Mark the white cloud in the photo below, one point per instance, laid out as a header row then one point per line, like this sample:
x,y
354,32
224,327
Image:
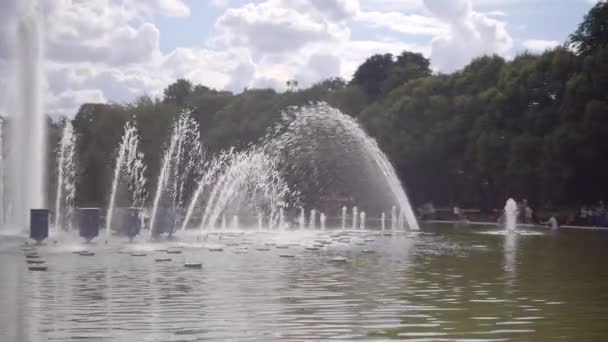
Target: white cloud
x,y
538,45
174,8
402,23
392,5
471,34
272,28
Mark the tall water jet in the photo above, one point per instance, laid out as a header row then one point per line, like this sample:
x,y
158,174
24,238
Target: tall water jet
x,y
180,169
129,169
302,218
383,221
281,218
355,216
344,213
511,215
327,157
235,222
322,218
66,178
25,106
2,165
362,219
313,219
260,221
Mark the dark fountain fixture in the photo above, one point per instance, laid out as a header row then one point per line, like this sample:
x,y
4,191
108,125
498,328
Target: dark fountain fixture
x,y
88,223
39,224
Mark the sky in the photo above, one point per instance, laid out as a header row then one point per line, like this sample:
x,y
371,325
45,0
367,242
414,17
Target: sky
x,y
118,50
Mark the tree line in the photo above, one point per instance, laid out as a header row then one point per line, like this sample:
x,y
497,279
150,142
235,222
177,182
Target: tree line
x,y
533,127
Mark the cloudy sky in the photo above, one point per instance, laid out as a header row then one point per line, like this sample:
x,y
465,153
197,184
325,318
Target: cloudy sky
x,y
117,50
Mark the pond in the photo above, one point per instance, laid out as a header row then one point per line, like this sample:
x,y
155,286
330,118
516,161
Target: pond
x,y
444,283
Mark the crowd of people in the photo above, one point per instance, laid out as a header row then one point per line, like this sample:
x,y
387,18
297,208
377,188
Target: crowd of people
x,y
593,215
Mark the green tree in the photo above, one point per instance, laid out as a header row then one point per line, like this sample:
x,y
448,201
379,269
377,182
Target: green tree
x,y
178,92
592,33
372,74
408,66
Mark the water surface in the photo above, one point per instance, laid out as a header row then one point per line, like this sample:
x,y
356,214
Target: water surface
x,y
445,283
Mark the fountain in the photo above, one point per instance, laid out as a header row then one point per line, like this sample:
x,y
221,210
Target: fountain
x,y
235,222
383,221
313,219
260,221
355,216
281,218
66,178
511,215
248,182
129,173
327,157
344,213
180,169
24,102
362,220
302,219
322,218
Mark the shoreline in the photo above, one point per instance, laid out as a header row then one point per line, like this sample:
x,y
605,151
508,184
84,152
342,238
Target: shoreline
x,y
527,225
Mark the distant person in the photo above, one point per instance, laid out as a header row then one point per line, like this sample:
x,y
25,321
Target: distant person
x,y
459,213
552,223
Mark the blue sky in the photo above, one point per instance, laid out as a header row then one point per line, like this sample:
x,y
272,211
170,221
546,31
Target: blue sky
x,y
118,50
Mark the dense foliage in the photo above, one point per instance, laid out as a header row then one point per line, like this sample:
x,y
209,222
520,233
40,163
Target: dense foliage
x,y
535,127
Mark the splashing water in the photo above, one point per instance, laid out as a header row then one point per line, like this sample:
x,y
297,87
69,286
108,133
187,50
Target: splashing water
x,y
250,182
327,157
129,168
181,168
66,178
212,171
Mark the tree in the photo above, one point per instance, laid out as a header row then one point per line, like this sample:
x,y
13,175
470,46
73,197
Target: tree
x,y
372,74
408,66
592,33
178,91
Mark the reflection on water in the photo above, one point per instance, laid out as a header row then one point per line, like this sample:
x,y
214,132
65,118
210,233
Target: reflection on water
x,y
443,284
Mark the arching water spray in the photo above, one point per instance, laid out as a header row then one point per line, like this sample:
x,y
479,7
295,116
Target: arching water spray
x,y
326,154
130,169
181,166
